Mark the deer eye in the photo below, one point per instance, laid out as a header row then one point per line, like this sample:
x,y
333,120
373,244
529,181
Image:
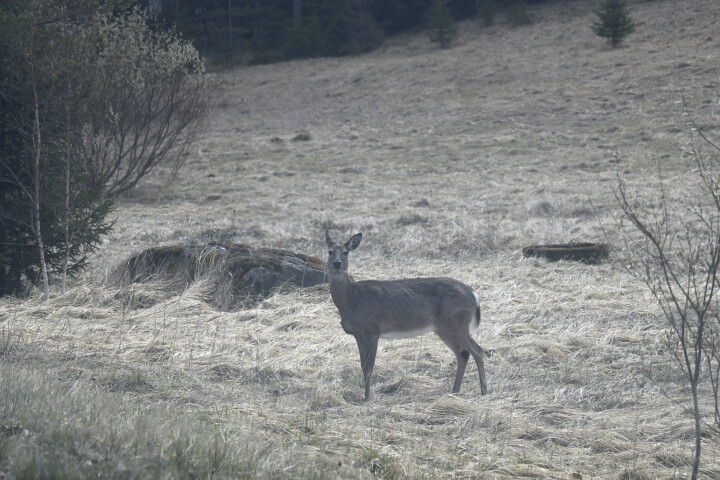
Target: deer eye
x,y
345,252
330,252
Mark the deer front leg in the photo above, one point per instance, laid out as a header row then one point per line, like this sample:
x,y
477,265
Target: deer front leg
x,y
368,350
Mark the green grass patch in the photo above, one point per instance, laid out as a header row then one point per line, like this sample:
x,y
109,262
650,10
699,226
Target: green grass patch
x,y
52,429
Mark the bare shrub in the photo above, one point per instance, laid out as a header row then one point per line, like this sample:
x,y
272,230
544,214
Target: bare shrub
x,y
678,258
150,99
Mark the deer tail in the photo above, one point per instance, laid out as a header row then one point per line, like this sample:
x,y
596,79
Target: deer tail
x,y
476,323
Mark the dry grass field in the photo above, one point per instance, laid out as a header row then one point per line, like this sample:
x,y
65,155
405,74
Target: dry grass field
x,y
449,162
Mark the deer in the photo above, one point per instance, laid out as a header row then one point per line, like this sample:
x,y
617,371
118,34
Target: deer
x,y
392,309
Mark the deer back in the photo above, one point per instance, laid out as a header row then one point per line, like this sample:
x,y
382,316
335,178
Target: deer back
x,y
403,308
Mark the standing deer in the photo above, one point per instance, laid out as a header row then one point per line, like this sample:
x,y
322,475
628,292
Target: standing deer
x,y
374,309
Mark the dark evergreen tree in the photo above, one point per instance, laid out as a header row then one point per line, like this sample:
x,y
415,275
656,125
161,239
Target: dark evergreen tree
x,y
613,21
398,15
488,9
262,31
517,13
441,28
463,8
42,83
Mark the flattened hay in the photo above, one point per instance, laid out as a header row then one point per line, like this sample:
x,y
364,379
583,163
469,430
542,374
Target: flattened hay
x,y
573,388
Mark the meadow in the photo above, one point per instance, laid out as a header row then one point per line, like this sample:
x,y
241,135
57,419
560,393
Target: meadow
x,y
449,162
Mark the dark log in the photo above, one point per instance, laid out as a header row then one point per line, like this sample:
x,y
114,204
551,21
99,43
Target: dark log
x,y
242,274
582,252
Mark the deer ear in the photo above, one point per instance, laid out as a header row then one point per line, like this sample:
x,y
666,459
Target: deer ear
x,y
354,242
328,239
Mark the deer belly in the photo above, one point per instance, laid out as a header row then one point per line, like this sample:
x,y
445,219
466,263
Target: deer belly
x,y
397,334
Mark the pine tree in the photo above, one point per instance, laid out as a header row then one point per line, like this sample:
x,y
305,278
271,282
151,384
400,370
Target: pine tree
x,y
441,28
613,21
488,9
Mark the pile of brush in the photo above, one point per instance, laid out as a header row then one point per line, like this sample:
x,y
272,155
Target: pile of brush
x,y
241,274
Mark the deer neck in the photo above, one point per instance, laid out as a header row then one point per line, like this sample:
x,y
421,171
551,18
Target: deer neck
x,y
342,290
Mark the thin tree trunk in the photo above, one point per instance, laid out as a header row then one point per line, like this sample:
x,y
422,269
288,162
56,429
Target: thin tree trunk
x,y
36,169
297,12
230,41
695,377
66,262
698,438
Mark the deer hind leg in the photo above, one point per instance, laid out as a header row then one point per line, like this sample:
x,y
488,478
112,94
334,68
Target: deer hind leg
x,y
478,354
462,356
368,351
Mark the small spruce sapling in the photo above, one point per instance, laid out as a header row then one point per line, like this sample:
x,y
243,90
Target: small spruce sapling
x,y
441,28
613,21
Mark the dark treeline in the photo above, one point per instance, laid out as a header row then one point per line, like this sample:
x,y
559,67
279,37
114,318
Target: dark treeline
x,y
260,31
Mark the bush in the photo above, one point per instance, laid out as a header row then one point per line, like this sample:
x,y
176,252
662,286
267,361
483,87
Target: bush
x,y
343,28
51,212
88,107
149,100
678,259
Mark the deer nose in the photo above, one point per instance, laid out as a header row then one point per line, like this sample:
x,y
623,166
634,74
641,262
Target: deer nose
x,y
337,263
